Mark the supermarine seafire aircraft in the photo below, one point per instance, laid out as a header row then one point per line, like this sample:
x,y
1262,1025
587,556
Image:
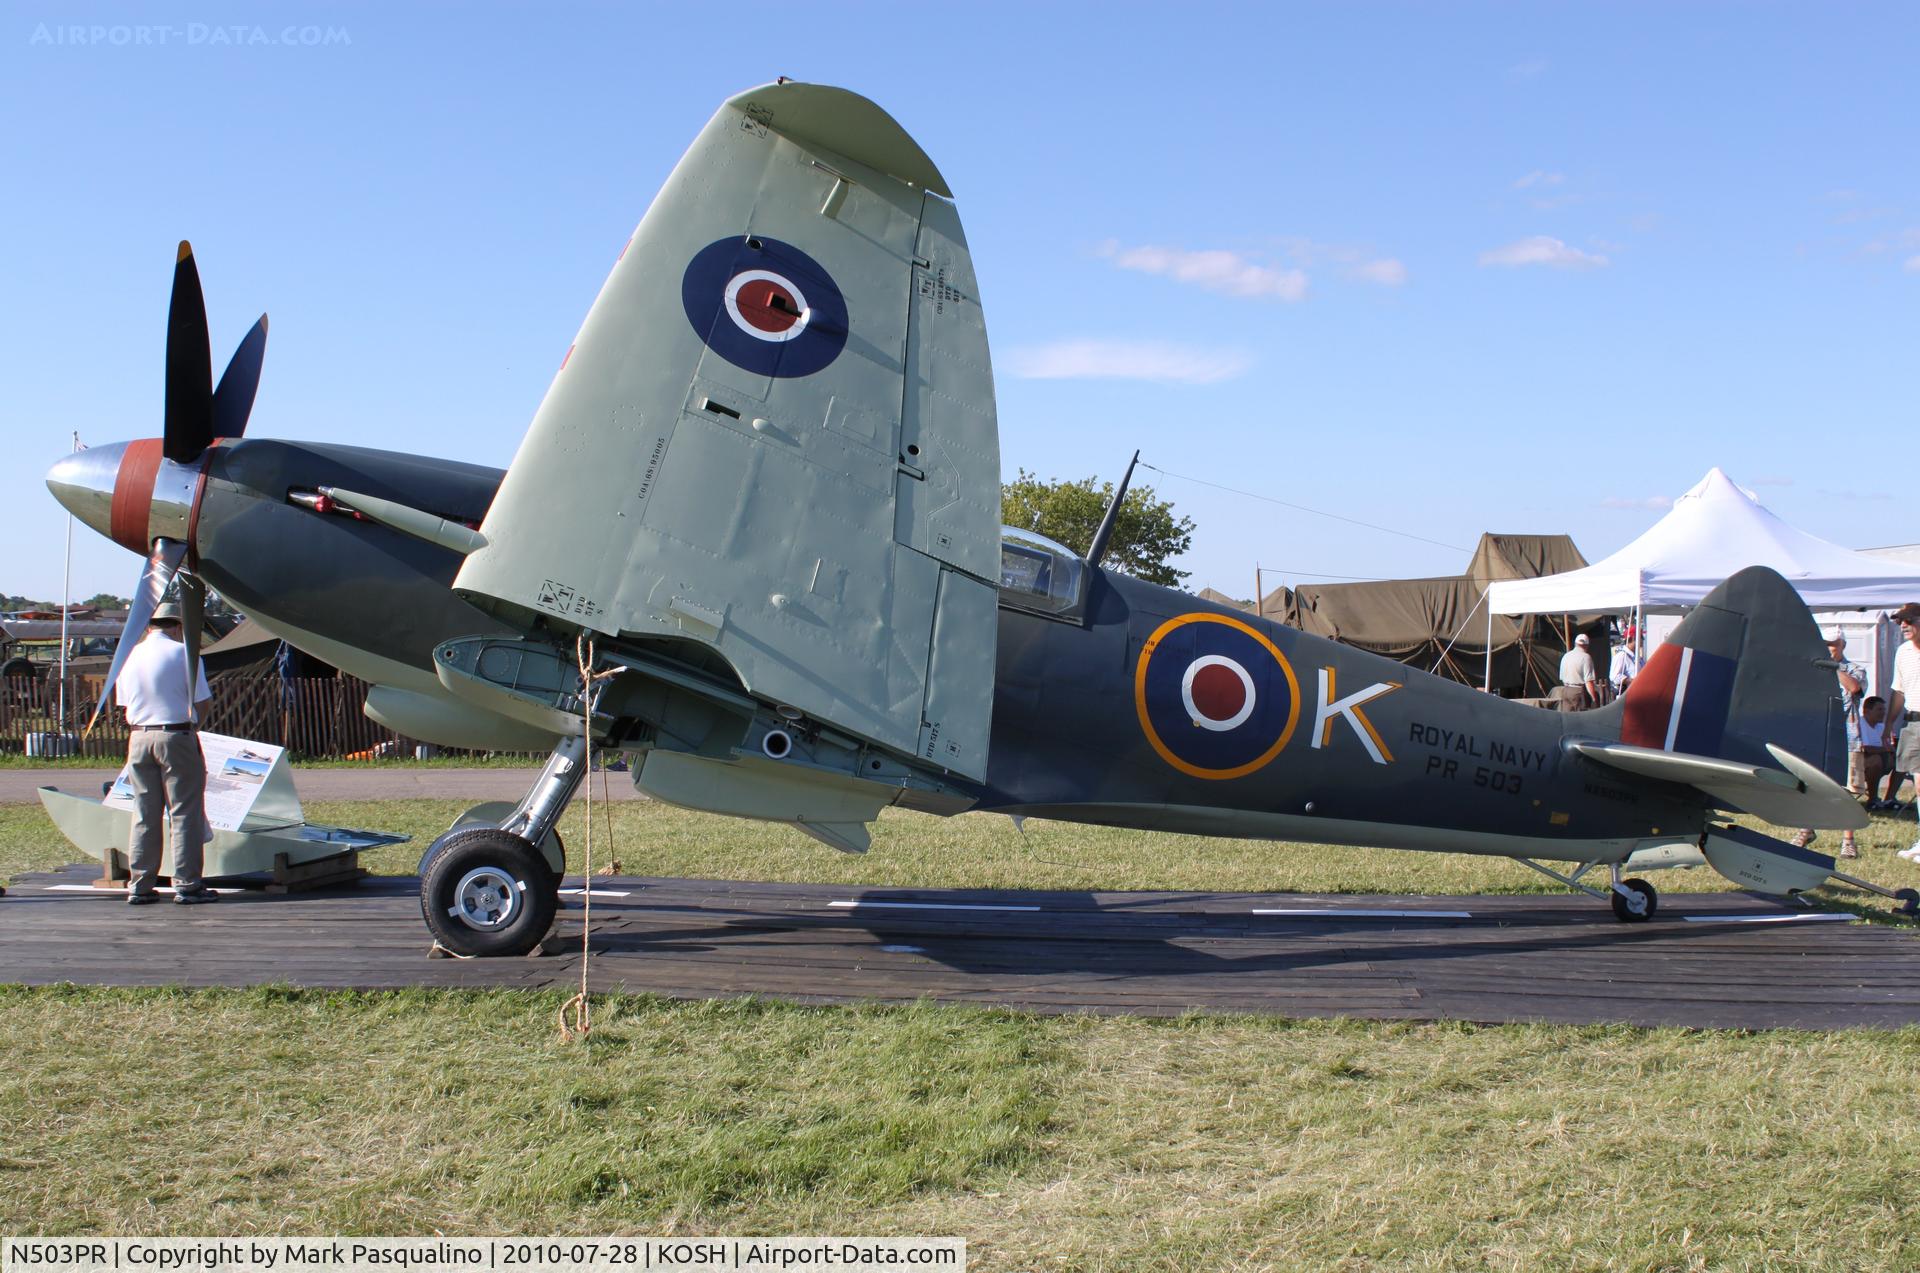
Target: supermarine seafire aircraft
x,y
765,482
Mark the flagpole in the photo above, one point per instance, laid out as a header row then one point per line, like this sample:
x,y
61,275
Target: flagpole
x,y
66,604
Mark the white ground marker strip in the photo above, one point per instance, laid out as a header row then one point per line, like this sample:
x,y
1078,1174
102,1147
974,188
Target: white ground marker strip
x,y
1771,919
1357,913
925,906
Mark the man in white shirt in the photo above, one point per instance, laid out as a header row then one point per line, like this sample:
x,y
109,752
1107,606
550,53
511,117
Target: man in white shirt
x,y
1626,661
166,769
1577,690
1902,704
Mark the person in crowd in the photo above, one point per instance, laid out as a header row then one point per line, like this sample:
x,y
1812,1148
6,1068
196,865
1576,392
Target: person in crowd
x,y
1876,757
1625,664
165,767
1903,702
1577,690
1853,689
1853,685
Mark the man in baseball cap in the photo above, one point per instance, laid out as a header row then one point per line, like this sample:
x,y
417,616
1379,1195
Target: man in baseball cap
x,y
1901,704
1853,689
1578,689
165,767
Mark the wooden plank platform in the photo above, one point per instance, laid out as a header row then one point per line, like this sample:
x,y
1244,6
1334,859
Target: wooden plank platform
x,y
1529,958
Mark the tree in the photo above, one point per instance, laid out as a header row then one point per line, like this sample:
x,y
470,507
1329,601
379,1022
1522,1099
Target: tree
x,y
106,601
1146,535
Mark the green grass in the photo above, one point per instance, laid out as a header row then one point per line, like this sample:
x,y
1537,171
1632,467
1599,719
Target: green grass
x,y
1068,1142
1081,1143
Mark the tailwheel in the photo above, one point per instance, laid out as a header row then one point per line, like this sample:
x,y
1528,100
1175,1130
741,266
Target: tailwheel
x,y
488,892
1909,900
1624,908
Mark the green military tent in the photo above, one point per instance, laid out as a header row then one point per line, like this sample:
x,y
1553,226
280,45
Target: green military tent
x,y
1439,625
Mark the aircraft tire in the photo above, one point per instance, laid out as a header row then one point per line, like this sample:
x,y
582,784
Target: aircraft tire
x,y
1909,901
487,892
1624,913
553,839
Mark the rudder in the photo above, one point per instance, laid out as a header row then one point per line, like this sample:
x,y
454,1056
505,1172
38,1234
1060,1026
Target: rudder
x,y
1746,668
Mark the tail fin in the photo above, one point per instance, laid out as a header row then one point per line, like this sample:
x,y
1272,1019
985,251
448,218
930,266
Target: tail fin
x,y
1741,703
1746,669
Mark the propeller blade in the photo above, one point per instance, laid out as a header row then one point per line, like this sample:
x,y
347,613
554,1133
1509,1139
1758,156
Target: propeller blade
x,y
189,419
193,609
233,400
162,562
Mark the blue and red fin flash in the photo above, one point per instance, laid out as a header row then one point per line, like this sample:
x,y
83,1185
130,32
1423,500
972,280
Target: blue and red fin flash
x,y
1679,702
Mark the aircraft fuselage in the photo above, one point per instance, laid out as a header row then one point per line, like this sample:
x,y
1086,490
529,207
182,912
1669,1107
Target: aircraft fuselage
x,y
1145,708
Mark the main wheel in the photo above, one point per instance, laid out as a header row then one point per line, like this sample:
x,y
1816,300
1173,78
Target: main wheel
x,y
555,846
491,814
1624,913
487,892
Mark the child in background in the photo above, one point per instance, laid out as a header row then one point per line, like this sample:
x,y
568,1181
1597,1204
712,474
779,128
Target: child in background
x,y
1876,754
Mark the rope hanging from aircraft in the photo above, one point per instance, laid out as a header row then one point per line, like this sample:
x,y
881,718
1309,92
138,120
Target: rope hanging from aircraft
x,y
576,1014
1317,512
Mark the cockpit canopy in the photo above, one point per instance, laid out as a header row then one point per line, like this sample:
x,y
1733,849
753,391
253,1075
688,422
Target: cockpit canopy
x,y
1038,574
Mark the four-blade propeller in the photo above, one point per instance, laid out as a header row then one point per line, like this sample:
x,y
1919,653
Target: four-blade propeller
x,y
197,415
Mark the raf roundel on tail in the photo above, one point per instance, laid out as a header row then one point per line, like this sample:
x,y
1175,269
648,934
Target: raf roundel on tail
x,y
765,306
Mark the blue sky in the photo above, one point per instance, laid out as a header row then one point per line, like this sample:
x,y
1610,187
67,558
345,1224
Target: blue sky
x,y
1442,268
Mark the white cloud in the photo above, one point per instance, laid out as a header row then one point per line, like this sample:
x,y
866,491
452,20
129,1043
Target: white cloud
x,y
1539,177
1229,273
1129,360
1386,271
1528,69
1898,241
1913,265
1660,502
1541,249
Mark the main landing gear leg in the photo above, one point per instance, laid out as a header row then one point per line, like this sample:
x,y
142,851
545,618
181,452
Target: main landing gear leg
x,y
488,890
1634,901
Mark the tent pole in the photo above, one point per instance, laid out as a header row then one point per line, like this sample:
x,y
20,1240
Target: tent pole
x,y
1487,684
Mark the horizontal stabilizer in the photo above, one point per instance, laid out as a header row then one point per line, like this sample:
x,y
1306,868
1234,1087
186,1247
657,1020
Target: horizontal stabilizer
x,y
1799,795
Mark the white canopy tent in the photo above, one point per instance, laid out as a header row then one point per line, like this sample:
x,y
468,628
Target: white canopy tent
x,y
1713,531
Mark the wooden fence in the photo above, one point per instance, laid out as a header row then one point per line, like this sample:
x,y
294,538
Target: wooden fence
x,y
318,718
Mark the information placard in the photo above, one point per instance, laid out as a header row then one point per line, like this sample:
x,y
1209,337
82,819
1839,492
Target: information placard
x,y
239,771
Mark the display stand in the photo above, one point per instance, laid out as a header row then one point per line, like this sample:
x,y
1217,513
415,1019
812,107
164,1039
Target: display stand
x,y
255,823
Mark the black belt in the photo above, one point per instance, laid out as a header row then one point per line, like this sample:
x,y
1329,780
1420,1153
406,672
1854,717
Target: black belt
x,y
171,729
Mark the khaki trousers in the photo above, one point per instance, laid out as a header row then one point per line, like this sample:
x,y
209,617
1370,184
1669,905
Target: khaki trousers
x,y
168,774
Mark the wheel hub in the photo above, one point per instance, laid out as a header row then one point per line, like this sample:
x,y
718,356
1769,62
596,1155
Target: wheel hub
x,y
486,898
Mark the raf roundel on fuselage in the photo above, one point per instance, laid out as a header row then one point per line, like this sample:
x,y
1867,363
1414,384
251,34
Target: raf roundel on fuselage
x,y
765,306
1216,698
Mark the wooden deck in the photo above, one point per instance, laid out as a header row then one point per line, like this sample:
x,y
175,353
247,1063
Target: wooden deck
x,y
1507,959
